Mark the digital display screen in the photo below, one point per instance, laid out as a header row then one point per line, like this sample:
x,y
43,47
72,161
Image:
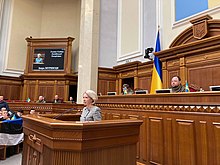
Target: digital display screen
x,y
50,59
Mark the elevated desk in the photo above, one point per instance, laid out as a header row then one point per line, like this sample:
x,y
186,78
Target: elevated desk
x,y
55,142
180,128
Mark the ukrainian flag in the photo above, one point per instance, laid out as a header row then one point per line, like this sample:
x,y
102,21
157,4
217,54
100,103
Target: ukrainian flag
x,y
156,81
28,100
187,87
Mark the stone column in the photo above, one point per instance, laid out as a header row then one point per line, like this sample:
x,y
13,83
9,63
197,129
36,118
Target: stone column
x,y
88,47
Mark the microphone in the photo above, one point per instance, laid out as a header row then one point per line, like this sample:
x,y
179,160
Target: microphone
x,y
67,111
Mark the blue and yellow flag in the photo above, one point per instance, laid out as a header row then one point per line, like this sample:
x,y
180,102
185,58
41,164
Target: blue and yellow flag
x,y
156,80
187,87
28,100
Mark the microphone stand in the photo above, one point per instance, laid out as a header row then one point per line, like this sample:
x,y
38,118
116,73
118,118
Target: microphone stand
x,y
67,111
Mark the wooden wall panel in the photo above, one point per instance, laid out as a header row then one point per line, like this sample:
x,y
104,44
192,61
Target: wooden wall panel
x,y
186,146
10,87
47,91
50,93
42,90
144,83
216,127
204,76
111,86
106,81
155,141
5,90
168,141
60,91
15,92
203,145
31,89
102,87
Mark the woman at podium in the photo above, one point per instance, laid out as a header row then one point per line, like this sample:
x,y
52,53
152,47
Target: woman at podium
x,y
90,112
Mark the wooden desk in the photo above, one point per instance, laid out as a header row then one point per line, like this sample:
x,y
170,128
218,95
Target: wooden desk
x,y
43,107
55,142
196,98
180,128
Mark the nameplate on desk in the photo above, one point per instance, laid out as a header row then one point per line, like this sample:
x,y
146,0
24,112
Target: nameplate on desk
x,y
141,92
214,88
111,93
163,90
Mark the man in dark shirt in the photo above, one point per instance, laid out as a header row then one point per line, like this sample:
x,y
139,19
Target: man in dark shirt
x,y
3,103
41,100
176,85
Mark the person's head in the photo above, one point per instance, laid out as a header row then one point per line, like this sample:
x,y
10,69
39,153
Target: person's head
x,y
125,85
175,81
1,98
3,109
41,98
71,98
38,55
20,112
32,111
89,97
4,113
56,97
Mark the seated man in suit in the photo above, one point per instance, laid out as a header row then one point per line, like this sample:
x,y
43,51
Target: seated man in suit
x,y
71,100
57,99
176,85
41,100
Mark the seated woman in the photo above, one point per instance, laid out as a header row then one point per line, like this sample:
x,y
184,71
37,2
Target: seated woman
x,y
127,89
90,112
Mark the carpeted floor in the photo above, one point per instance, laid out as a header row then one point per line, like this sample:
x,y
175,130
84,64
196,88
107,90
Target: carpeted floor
x,y
12,160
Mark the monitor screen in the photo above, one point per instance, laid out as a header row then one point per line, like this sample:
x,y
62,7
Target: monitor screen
x,y
111,93
214,88
48,59
141,92
163,90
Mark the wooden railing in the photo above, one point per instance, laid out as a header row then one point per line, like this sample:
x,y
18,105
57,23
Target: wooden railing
x,y
44,107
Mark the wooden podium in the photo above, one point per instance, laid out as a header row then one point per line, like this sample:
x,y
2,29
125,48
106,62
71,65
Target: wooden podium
x,y
55,142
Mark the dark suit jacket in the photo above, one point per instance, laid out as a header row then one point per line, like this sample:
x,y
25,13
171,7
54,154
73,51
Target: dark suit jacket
x,y
57,101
